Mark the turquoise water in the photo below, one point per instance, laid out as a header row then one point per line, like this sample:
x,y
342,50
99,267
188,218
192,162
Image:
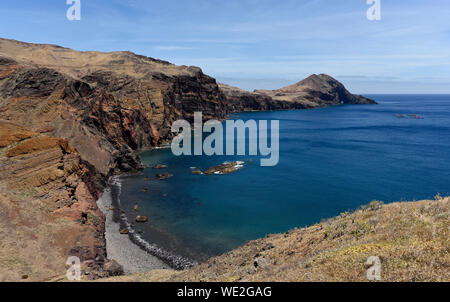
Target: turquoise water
x,y
331,160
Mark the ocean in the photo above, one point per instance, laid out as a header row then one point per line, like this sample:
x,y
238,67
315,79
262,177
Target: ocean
x,y
332,160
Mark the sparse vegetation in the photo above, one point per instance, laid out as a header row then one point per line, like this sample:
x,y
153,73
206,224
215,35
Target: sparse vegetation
x,y
375,205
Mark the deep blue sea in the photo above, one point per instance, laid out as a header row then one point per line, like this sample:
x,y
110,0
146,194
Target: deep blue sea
x,y
332,160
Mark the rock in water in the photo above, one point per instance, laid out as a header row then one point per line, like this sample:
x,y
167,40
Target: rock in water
x,y
226,168
159,167
141,219
164,176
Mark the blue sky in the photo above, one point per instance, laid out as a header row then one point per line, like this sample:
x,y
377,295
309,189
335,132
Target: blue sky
x,y
259,43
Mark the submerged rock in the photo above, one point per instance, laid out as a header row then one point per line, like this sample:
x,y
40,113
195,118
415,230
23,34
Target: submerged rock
x,y
226,168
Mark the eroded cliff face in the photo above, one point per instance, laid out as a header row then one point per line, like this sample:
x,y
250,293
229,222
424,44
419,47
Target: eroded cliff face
x,y
107,105
48,208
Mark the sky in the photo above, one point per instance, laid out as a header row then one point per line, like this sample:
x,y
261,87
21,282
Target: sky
x,y
259,44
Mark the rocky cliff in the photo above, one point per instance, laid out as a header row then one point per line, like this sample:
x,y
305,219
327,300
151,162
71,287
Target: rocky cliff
x,y
109,105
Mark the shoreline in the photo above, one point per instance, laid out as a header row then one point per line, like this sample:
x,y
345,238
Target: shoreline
x,y
120,248
134,253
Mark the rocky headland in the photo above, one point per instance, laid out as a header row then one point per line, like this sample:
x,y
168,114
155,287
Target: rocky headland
x,y
314,92
70,120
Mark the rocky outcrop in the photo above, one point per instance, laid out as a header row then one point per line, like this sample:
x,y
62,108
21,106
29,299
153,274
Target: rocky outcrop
x,y
11,134
313,92
316,91
93,121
